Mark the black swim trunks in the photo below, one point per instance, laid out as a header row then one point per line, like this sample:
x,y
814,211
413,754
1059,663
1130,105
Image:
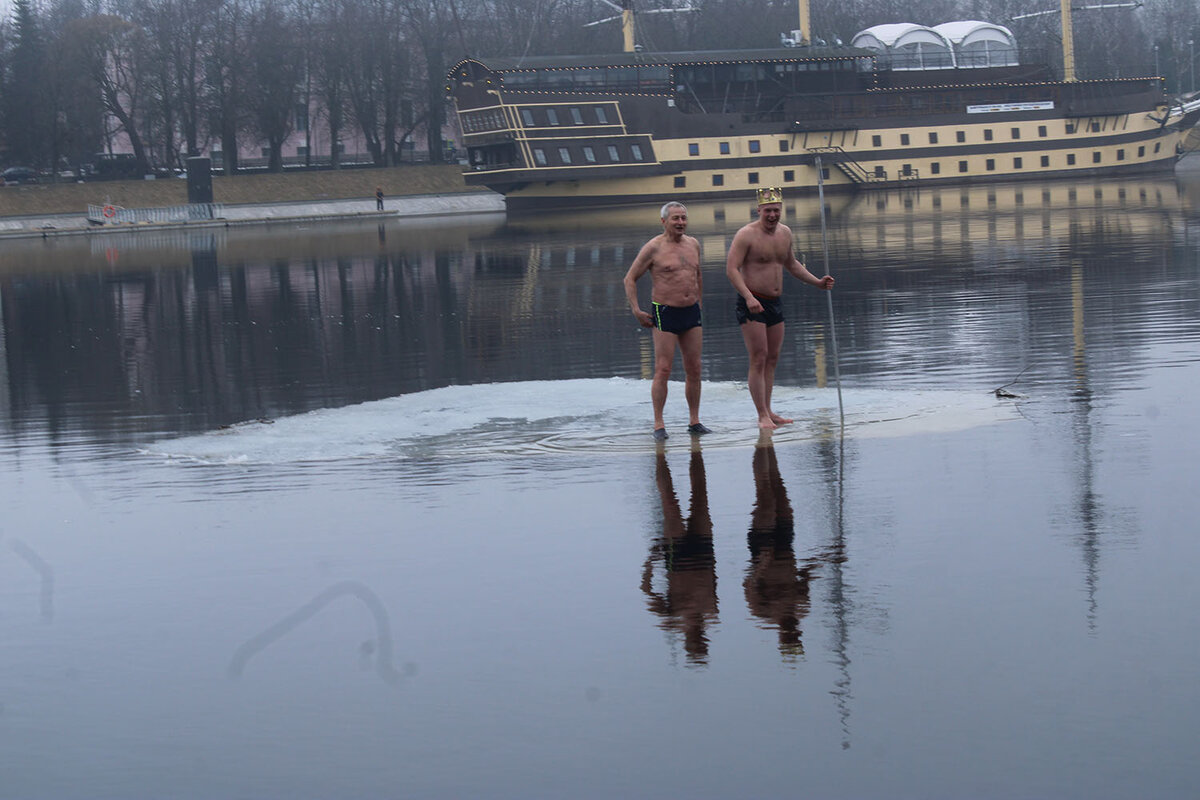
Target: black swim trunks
x,y
772,313
673,319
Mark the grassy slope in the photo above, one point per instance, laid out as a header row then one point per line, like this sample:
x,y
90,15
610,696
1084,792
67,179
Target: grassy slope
x,y
73,198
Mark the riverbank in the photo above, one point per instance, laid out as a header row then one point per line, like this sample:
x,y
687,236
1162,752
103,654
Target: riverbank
x,y
418,190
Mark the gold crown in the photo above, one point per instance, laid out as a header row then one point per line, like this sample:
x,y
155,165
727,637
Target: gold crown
x,y
770,195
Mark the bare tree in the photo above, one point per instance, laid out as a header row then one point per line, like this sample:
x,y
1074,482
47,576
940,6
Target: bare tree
x,y
276,69
225,78
379,76
110,51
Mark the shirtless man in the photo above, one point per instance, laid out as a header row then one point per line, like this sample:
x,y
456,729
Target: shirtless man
x,y
673,260
760,252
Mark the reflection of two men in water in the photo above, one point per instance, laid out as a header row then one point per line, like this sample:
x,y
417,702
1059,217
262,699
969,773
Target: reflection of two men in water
x,y
776,585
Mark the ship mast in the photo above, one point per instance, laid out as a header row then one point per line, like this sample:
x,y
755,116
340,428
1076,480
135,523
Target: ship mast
x,y
627,24
805,36
1068,41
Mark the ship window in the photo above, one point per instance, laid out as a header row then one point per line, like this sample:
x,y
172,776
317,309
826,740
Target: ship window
x,y
724,149
589,155
904,139
1042,131
564,155
1045,161
1095,127
935,168
1157,146
755,146
718,180
960,136
1018,163
824,173
552,115
1096,157
1016,133
601,117
987,134
933,137
962,166
614,155
1121,154
783,145
527,116
622,77
636,151
539,156
1070,159
906,170
1141,151
694,149
680,182
576,116
990,165
588,78
789,175
878,171
1070,127
876,141
752,178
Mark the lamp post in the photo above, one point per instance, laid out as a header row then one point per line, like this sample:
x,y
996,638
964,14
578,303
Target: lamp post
x,y
1156,70
1192,67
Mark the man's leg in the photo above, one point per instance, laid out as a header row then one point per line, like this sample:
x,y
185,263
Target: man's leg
x,y
755,336
690,344
664,355
774,346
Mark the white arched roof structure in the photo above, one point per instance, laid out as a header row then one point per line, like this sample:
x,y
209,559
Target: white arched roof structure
x,y
966,43
980,44
909,46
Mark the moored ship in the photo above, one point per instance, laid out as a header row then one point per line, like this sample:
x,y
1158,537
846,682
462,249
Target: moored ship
x,y
902,105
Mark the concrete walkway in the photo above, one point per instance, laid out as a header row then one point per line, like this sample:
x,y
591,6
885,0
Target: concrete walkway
x,y
412,206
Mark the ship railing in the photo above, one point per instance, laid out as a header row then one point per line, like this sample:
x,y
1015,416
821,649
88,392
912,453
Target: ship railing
x,y
853,170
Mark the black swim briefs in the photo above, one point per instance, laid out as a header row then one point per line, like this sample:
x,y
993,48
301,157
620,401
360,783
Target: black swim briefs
x,y
674,319
772,313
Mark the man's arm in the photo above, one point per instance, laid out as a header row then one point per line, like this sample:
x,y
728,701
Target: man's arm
x,y
699,272
797,268
641,264
733,270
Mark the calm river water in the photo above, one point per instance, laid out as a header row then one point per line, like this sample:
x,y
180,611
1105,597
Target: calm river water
x,y
360,511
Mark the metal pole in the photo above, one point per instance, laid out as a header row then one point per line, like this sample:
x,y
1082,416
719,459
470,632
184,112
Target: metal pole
x,y
837,372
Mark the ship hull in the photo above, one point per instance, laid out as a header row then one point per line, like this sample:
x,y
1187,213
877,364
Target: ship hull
x,y
553,149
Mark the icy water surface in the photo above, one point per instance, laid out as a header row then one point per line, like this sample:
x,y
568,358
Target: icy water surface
x,y
344,511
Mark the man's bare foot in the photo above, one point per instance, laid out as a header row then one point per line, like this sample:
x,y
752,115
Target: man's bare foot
x,y
766,424
778,420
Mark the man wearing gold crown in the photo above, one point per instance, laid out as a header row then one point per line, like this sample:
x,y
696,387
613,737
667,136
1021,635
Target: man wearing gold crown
x,y
760,252
673,260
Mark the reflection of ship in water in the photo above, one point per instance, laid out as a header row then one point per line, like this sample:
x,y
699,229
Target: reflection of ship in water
x,y
1087,507
937,216
684,592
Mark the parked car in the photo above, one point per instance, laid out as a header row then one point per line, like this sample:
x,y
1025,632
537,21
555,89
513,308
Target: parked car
x,y
18,175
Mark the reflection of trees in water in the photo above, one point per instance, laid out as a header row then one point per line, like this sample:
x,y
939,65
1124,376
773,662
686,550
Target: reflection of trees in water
x,y
378,651
249,325
687,603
